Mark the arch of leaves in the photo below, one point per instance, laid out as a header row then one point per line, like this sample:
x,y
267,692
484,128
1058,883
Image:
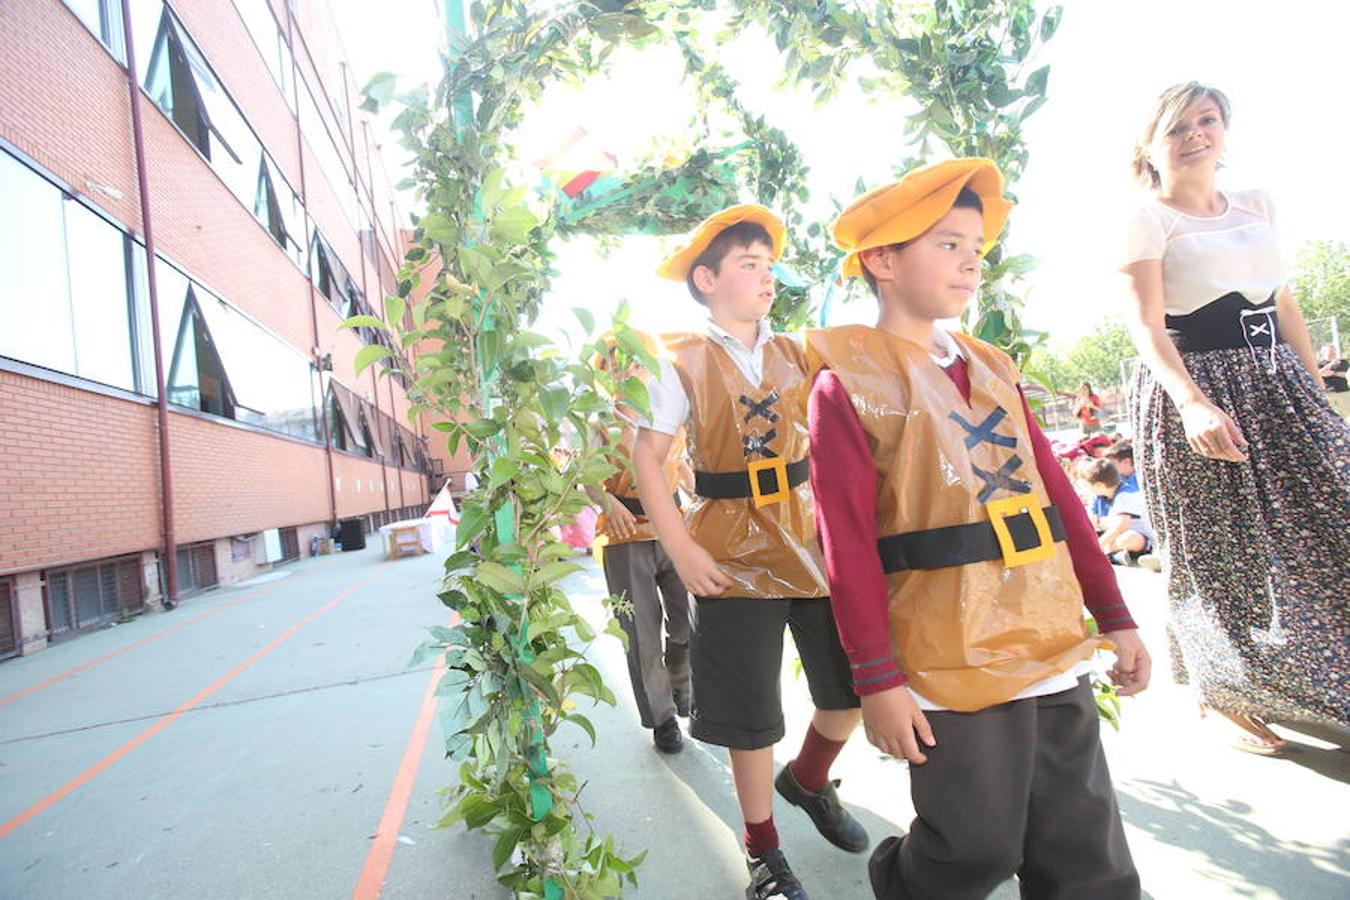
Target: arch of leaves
x,y
478,269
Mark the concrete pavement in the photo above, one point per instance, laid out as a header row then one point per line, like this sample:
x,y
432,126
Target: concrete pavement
x,y
246,745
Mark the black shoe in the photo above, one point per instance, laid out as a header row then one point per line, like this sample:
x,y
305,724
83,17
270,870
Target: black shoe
x,y
682,704
667,736
881,865
835,823
771,878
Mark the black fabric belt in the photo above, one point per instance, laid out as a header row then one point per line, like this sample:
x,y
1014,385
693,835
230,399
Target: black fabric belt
x,y
959,545
1230,322
634,505
735,485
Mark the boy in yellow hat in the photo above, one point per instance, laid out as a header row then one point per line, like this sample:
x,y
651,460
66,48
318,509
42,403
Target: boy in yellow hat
x,y
746,548
638,569
959,563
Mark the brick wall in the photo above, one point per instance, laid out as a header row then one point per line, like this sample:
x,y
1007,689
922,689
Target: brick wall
x,y
78,474
65,102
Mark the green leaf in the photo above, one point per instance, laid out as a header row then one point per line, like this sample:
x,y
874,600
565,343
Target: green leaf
x,y
394,308
555,571
438,228
506,843
499,577
1050,22
368,355
1036,82
514,225
586,318
483,428
472,521
584,723
426,651
362,322
634,390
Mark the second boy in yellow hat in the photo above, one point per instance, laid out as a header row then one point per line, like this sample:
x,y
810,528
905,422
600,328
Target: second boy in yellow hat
x,y
746,548
959,562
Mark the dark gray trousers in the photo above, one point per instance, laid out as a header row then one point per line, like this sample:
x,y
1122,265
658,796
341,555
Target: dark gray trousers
x,y
641,572
1020,788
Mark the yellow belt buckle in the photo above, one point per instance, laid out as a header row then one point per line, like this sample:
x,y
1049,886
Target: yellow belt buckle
x,y
779,467
1017,504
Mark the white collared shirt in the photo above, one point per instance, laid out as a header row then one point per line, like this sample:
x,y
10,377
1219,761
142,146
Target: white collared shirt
x,y
670,403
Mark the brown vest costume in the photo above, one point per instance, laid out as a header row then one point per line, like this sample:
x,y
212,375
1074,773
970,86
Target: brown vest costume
x,y
622,484
768,551
969,636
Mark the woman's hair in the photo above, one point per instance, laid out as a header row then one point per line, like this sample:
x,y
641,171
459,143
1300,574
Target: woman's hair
x,y
1171,103
1085,387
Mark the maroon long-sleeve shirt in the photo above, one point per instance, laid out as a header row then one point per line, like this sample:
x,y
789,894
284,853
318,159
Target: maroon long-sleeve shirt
x,y
844,485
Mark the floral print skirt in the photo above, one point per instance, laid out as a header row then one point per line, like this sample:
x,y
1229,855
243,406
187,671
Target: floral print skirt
x,y
1256,554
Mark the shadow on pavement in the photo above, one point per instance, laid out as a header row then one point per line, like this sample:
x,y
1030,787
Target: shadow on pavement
x,y
1242,856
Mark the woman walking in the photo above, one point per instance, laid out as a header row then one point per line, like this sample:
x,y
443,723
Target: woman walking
x,y
1245,466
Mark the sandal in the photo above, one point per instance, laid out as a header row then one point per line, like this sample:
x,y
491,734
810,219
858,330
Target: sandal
x,y
1260,738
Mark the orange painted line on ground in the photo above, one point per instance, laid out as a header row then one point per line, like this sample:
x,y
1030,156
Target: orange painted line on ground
x,y
250,595
93,771
371,881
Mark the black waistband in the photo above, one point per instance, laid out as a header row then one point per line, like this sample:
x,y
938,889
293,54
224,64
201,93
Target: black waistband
x,y
959,545
1232,321
735,485
634,505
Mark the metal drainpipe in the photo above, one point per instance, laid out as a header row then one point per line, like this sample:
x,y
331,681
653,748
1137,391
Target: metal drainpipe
x,y
365,287
309,287
162,406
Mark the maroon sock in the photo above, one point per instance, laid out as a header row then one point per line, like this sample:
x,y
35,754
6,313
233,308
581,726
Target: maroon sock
x,y
811,768
760,837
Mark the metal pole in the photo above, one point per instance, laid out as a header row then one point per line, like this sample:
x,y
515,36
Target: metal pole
x,y
162,406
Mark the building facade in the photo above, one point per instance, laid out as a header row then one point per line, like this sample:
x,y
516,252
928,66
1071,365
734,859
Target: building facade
x,y
271,220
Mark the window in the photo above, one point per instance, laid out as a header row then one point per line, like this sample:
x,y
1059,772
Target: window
x,y
278,209
66,301
271,42
222,362
180,82
197,376
104,19
330,277
91,595
331,159
348,423
196,568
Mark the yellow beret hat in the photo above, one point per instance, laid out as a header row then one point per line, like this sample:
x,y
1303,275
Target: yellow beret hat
x,y
676,266
906,209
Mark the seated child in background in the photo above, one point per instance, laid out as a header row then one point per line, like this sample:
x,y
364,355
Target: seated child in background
x,y
1126,534
1122,454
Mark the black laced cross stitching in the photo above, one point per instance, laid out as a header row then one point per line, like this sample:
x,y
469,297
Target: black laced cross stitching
x,y
757,443
761,407
1002,479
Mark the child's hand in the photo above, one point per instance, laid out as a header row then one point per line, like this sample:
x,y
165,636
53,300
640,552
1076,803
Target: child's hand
x,y
699,571
618,519
1133,666
891,719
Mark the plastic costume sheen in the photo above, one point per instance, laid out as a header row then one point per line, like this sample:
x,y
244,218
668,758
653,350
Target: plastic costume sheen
x,y
974,635
769,551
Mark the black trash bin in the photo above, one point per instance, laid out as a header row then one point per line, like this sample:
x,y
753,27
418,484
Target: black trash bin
x,y
351,534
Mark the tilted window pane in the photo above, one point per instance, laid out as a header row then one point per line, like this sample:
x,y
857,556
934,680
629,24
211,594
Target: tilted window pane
x,y
169,83
172,288
270,381
34,304
279,210
98,298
